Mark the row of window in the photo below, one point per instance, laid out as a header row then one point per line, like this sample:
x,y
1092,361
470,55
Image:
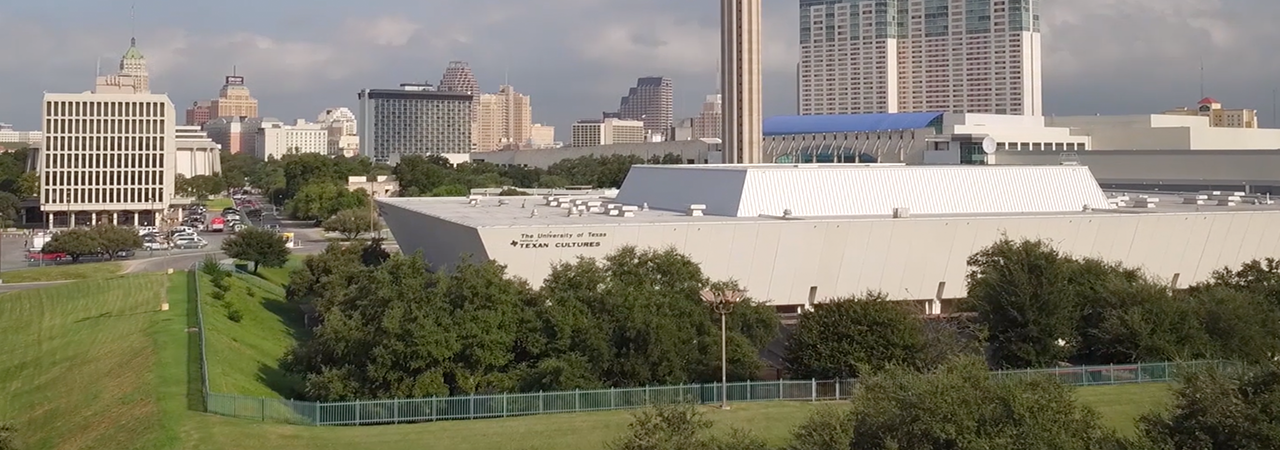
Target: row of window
x,y
105,109
99,144
74,195
104,126
105,178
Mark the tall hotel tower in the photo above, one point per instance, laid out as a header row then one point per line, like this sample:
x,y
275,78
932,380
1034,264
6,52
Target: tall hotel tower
x,y
876,56
740,81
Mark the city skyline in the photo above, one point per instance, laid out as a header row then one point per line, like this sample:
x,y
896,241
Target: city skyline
x,y
1091,65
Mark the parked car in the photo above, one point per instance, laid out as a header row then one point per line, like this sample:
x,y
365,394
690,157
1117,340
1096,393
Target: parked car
x,y
217,224
188,243
155,245
274,227
142,231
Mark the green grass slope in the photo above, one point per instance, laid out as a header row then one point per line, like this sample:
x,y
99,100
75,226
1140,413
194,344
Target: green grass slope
x,y
64,272
244,356
79,363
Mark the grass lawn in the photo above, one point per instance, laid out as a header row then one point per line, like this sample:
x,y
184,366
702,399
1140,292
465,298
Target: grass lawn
x,y
78,369
243,356
64,272
218,204
278,276
93,364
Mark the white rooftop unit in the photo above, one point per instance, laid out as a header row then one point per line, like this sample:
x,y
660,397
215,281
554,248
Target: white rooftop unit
x,y
827,190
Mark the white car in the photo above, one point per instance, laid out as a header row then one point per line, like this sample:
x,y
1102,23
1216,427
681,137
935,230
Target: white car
x,y
190,242
147,230
154,245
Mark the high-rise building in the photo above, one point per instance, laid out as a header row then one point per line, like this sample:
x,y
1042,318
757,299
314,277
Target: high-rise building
x,y
877,56
274,139
650,101
458,77
108,155
1219,117
607,131
343,129
414,120
199,113
741,131
504,120
709,121
234,100
134,65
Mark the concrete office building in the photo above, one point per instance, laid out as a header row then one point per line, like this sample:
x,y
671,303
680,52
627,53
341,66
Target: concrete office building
x,y
792,235
1218,116
234,99
200,113
505,120
606,131
10,135
877,56
543,136
343,127
196,153
651,101
710,119
740,80
416,119
274,139
106,157
235,134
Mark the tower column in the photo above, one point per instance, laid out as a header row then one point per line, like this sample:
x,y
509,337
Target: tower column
x,y
740,81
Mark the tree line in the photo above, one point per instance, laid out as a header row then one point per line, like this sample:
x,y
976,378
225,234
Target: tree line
x,y
392,329
960,406
16,184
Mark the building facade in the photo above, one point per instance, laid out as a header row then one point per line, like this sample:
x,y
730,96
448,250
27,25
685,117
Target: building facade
x,y
234,100
200,113
505,120
414,120
234,134
343,131
877,56
134,66
107,158
740,81
710,119
274,139
651,101
543,136
196,153
594,132
1219,117
10,135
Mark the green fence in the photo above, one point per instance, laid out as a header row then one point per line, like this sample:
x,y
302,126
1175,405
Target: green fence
x,y
509,405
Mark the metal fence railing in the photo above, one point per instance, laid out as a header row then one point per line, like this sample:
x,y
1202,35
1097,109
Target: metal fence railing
x,y
194,274
508,405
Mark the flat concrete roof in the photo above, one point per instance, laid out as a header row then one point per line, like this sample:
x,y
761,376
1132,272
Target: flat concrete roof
x,y
518,211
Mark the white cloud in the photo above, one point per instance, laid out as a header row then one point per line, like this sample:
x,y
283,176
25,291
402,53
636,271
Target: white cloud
x,y
391,31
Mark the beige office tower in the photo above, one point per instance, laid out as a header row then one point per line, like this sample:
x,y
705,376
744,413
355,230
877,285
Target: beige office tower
x,y
740,81
234,100
134,65
878,56
458,77
505,120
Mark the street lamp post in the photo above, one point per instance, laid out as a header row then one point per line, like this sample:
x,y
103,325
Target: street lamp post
x,y
723,301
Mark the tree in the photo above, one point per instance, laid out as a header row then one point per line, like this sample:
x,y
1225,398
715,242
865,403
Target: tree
x,y
351,223
1240,325
113,239
28,185
826,428
9,206
321,200
843,337
1019,290
75,243
962,406
680,426
1217,410
260,246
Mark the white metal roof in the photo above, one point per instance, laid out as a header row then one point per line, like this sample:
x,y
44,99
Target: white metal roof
x,y
818,190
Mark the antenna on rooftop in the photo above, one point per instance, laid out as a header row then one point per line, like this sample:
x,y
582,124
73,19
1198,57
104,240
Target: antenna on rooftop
x,y
1201,77
133,26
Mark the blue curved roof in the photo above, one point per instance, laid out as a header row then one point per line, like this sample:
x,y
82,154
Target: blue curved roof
x,y
847,123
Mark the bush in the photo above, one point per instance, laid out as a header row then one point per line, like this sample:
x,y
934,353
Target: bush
x,y
9,437
234,313
211,267
218,294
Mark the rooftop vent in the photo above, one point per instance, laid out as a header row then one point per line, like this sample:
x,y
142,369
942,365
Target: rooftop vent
x,y
786,213
696,210
1146,202
901,212
1221,198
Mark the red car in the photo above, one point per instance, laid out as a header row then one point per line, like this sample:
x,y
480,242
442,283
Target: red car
x,y
38,256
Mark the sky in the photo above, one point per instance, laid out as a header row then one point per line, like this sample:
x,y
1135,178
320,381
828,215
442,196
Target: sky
x,y
576,58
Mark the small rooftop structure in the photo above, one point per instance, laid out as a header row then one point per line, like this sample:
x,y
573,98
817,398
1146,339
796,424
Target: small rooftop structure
x,y
847,123
827,190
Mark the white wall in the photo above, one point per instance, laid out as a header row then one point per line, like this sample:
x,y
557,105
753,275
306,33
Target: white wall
x,y
907,258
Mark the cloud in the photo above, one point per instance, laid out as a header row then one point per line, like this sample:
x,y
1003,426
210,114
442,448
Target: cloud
x,y
576,57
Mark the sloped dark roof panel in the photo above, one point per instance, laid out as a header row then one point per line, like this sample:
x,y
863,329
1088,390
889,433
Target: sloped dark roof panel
x,y
846,123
